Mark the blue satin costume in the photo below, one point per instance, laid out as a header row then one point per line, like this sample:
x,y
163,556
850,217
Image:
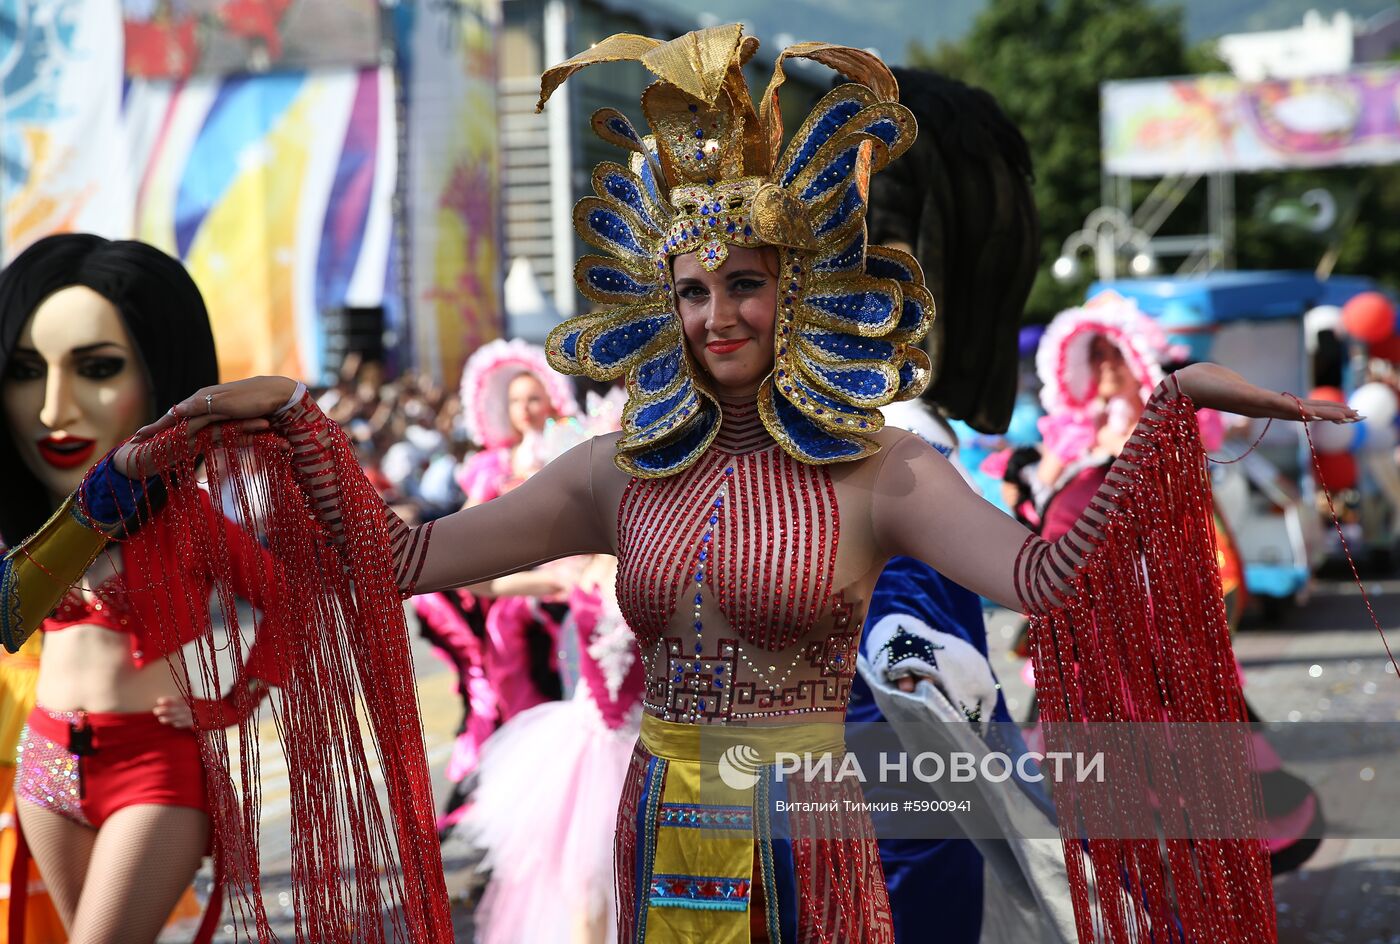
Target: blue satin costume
x,y
932,882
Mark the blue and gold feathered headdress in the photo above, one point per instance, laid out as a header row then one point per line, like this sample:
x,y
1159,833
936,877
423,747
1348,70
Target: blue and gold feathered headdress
x,y
711,175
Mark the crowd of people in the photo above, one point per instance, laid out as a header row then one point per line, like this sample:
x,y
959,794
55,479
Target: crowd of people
x,y
408,432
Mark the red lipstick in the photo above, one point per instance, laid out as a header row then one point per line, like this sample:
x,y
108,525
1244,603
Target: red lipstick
x,y
726,345
68,452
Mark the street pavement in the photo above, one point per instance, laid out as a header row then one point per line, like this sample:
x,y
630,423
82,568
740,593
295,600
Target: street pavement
x,y
1320,665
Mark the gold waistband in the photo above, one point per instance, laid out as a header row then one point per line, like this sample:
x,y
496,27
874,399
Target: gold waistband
x,y
704,743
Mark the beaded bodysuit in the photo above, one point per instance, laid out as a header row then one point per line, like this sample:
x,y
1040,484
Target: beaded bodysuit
x,y
726,575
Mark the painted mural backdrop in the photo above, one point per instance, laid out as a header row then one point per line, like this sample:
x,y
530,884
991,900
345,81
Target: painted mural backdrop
x,y
277,192
454,182
179,38
275,188
1218,123
60,98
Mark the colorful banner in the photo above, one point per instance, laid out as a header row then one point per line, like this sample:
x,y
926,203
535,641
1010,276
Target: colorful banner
x,y
172,39
276,191
454,183
60,111
1215,123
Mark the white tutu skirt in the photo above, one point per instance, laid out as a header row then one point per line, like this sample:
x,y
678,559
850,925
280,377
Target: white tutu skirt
x,y
544,811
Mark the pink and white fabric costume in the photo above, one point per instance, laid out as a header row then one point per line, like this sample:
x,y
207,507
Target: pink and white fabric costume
x,y
503,648
548,786
1073,411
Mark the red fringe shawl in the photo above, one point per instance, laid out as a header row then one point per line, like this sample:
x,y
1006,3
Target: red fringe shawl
x,y
1167,848
366,864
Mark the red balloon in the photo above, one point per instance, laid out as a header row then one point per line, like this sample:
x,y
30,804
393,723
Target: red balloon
x,y
1337,471
1387,349
1369,317
1331,394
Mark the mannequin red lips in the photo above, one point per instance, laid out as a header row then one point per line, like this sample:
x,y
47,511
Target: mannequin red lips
x,y
66,453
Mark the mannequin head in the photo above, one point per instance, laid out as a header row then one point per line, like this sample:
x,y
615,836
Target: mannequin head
x,y
96,338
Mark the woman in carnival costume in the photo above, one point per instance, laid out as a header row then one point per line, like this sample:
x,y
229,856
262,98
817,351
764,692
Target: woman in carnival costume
x,y
753,497
501,637
1098,365
126,779
95,338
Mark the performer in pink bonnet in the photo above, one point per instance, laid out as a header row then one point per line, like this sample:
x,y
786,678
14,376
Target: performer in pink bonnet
x,y
1098,366
549,781
501,636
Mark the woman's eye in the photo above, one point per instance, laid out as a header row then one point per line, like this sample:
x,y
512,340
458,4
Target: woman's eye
x,y
100,368
24,370
692,292
748,285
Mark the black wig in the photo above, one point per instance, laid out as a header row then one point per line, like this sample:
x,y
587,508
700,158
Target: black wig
x,y
961,197
158,303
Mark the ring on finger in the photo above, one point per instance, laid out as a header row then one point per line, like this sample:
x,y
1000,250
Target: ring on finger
x,y
209,402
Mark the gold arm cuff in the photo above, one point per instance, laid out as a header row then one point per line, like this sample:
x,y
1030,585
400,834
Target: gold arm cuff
x,y
35,576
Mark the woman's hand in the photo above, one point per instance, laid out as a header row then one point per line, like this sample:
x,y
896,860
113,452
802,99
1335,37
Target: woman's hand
x,y
1218,388
175,712
253,399
246,403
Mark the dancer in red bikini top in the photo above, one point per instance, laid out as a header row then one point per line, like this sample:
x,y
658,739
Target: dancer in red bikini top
x,y
98,337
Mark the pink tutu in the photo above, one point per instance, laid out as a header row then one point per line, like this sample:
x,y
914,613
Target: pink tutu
x,y
544,809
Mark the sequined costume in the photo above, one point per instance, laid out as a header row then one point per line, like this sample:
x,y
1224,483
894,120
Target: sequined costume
x,y
87,766
181,558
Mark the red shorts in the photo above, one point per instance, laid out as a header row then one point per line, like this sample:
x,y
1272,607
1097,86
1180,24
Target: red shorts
x,y
88,765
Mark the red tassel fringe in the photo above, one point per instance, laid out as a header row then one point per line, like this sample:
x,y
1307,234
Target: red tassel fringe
x,y
1141,637
366,866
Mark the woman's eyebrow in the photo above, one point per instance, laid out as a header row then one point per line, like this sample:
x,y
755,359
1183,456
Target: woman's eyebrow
x,y
746,273
89,348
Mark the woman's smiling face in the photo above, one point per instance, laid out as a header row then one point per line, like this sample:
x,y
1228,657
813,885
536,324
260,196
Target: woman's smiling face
x,y
728,316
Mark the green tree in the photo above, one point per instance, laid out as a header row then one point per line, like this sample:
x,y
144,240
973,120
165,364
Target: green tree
x,y
1044,61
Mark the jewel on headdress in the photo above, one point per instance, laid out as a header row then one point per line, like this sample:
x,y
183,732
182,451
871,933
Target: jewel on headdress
x,y
713,253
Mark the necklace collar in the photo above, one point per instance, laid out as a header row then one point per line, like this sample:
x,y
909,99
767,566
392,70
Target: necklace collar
x,y
741,430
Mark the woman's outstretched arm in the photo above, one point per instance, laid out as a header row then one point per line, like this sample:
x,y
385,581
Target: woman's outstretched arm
x,y
922,508
552,515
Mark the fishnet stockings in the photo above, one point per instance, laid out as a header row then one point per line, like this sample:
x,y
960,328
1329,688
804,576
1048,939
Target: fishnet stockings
x,y
117,885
